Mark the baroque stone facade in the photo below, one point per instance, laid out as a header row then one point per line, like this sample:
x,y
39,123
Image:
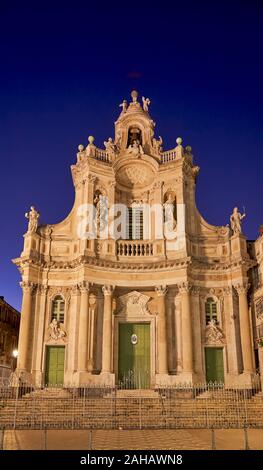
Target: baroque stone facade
x,y
171,308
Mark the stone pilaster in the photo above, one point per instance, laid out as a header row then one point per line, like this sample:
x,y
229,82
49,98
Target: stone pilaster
x,y
107,330
24,341
162,364
245,330
187,337
83,327
197,333
40,334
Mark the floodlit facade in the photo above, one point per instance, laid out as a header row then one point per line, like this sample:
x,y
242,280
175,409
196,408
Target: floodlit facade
x,y
134,287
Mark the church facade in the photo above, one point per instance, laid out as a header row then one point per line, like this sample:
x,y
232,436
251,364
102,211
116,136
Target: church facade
x,y
134,287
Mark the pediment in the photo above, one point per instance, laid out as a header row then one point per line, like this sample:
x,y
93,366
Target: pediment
x,y
133,304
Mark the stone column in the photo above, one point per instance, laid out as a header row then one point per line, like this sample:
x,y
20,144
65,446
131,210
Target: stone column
x,y
245,330
107,329
170,331
161,332
187,337
83,326
23,343
92,308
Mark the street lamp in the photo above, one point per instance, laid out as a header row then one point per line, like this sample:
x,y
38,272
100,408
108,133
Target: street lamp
x,y
14,354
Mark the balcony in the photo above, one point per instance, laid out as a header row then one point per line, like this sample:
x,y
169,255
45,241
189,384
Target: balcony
x,y
137,250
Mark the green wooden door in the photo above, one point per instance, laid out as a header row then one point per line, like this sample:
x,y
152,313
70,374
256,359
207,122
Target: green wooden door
x,y
55,365
214,364
134,355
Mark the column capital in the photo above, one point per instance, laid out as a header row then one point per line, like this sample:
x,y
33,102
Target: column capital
x,y
42,290
74,289
160,290
242,287
227,290
83,287
195,291
27,286
184,287
107,289
92,178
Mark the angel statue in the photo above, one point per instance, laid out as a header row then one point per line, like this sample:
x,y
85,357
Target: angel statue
x,y
110,148
123,105
32,217
157,144
146,103
235,220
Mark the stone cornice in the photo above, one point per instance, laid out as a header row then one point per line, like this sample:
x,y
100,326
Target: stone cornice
x,y
221,266
164,265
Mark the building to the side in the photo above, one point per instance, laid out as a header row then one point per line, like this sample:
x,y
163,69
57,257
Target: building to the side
x,y
158,296
9,329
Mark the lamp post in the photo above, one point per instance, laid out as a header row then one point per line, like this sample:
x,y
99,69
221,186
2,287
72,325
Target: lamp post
x,y
14,359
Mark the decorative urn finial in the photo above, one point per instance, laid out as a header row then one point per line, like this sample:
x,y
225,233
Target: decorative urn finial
x,y
179,141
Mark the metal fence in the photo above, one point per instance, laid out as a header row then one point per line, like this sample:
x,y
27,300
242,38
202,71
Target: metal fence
x,y
181,406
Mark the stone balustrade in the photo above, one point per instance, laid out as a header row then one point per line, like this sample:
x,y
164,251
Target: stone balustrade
x,y
102,155
168,156
134,248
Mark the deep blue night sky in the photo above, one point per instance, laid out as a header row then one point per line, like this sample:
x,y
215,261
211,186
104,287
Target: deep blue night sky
x,y
65,69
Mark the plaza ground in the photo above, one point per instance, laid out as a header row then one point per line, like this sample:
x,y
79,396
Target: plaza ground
x,y
165,439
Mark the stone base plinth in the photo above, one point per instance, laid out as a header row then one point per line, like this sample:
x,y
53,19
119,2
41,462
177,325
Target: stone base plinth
x,y
167,380
244,380
83,378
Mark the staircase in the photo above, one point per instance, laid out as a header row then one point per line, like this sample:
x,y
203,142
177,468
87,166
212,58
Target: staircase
x,y
60,408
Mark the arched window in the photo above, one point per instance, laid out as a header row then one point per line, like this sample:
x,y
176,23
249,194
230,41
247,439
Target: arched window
x,y
58,309
211,310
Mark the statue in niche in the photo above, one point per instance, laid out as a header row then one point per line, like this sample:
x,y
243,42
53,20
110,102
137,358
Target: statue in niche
x,y
110,148
146,103
123,105
55,331
169,210
101,204
235,220
157,144
135,148
32,217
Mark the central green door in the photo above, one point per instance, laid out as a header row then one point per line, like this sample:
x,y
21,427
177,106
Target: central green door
x,y
214,364
134,355
55,365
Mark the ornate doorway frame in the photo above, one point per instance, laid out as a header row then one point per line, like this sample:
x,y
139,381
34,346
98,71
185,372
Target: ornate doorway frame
x,y
133,309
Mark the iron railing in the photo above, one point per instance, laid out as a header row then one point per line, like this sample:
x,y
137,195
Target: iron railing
x,y
181,406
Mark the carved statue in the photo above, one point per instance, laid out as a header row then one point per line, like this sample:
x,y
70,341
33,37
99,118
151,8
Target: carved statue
x,y
134,95
101,212
213,333
55,331
32,217
169,220
135,148
235,220
123,105
146,103
110,148
157,144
